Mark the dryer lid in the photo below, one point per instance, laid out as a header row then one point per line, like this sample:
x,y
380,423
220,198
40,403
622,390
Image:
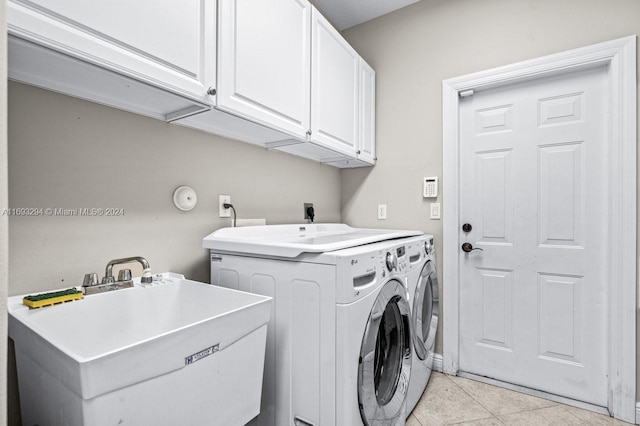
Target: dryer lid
x,y
292,240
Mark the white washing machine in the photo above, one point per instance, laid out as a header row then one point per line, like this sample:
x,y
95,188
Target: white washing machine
x,y
339,346
424,301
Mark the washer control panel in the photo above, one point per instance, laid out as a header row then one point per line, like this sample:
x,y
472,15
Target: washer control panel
x,y
392,261
396,259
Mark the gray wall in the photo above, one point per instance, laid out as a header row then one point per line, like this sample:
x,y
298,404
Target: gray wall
x,y
68,153
415,48
4,242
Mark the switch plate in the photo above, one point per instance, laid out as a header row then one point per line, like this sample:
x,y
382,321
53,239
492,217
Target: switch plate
x,y
382,211
222,212
435,210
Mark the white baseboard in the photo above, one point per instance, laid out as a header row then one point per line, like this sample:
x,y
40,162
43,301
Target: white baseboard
x,y
638,413
437,363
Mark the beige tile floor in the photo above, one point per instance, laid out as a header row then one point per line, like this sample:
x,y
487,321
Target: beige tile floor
x,y
451,400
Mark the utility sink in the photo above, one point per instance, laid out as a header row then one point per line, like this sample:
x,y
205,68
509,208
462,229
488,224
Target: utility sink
x,y
172,352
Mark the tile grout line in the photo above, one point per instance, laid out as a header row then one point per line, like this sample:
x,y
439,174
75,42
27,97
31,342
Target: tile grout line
x,y
544,408
467,421
471,396
567,411
496,415
416,417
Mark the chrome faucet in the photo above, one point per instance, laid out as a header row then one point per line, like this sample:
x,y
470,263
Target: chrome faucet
x,y
90,284
146,271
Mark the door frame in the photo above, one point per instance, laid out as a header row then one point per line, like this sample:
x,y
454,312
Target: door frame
x,y
620,58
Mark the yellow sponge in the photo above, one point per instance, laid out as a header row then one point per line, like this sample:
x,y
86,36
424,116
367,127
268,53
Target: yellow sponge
x,y
53,298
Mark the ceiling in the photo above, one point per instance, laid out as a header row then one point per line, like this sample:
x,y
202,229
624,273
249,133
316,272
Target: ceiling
x,y
344,14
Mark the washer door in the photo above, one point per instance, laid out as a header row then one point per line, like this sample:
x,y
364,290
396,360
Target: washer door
x,y
385,358
425,311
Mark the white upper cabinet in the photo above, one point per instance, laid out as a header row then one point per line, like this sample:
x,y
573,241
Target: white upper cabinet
x,y
270,72
334,88
367,133
264,62
169,45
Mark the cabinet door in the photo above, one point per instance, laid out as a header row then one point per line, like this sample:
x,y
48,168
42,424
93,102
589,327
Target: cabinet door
x,y
264,62
164,43
367,145
334,88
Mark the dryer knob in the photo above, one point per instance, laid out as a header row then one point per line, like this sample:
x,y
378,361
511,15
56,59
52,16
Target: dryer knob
x,y
428,246
392,261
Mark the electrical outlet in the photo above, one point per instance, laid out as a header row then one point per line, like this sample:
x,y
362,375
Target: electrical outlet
x,y
306,206
224,199
382,211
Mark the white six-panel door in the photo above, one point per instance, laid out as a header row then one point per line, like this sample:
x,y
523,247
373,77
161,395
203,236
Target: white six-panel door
x,y
533,188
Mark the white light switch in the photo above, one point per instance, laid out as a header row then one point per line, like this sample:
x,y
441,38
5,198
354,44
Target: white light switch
x,y
435,210
382,211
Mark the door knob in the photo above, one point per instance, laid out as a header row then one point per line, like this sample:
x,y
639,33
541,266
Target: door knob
x,y
467,248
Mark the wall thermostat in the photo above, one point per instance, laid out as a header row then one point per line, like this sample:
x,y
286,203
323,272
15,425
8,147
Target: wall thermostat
x,y
430,188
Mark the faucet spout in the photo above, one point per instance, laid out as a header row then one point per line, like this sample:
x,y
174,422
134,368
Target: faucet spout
x,y
146,273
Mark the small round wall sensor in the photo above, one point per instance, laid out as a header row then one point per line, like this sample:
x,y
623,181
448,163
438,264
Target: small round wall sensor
x,y
185,198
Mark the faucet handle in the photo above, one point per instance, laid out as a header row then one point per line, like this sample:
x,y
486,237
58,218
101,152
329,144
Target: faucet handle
x,y
124,275
90,280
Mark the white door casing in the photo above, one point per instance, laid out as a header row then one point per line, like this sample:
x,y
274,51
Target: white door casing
x,y
620,252
533,187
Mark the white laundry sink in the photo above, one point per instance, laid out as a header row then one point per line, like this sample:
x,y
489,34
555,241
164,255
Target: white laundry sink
x,y
177,352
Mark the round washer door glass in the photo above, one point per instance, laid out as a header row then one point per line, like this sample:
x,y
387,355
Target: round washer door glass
x,y
385,357
425,311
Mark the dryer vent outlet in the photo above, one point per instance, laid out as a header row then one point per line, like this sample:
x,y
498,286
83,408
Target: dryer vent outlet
x,y
308,208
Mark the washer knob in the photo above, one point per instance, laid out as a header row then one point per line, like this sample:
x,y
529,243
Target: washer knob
x,y
392,261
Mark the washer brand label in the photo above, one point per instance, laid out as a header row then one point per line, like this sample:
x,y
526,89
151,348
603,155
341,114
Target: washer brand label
x,y
202,354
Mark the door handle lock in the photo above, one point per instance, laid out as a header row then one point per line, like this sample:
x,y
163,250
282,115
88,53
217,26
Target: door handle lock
x,y
468,248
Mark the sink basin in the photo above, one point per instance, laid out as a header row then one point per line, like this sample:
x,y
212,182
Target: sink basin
x,y
143,355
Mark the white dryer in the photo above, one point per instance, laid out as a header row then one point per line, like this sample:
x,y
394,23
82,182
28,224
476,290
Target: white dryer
x,y
339,345
424,301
